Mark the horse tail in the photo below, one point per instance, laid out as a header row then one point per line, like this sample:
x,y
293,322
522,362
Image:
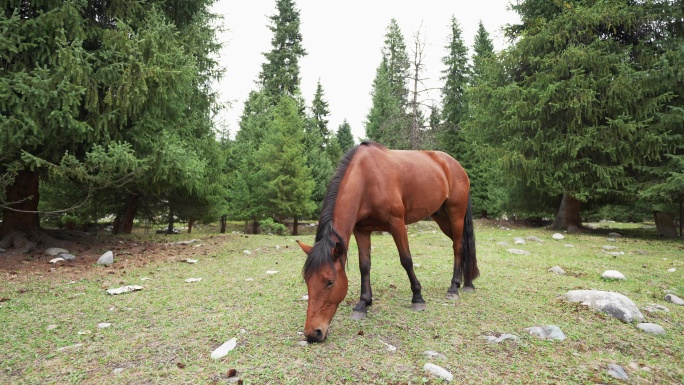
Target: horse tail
x,y
468,256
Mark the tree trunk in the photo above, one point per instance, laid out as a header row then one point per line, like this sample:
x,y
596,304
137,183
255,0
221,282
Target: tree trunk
x,y
223,224
294,225
255,227
568,217
190,223
22,195
123,223
169,229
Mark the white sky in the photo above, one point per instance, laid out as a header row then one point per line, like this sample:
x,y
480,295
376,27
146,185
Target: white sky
x,y
344,40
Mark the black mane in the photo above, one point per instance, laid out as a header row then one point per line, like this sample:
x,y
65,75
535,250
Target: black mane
x,y
321,252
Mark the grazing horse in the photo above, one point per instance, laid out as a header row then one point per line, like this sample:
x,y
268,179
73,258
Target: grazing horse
x,y
376,189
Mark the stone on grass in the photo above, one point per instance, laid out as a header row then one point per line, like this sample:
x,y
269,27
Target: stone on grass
x,y
613,274
501,338
502,243
611,303
191,261
655,308
56,251
614,235
558,236
616,371
674,299
55,260
549,332
519,241
534,239
438,371
434,354
518,251
103,325
52,327
67,257
69,347
192,280
556,269
222,350
118,371
272,272
247,252
608,247
671,270
651,328
124,289
106,259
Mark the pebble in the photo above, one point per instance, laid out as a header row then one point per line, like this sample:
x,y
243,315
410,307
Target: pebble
x,y
608,247
192,280
519,241
224,349
272,272
68,257
549,332
613,274
556,269
247,252
614,235
434,354
674,299
104,325
655,308
534,239
671,270
106,259
616,371
501,338
651,328
438,371
558,236
191,261
518,251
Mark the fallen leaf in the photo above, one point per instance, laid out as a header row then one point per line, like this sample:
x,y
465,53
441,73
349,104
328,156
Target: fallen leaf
x,y
180,365
232,373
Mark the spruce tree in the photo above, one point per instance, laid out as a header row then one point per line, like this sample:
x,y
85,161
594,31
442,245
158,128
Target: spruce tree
x,y
320,111
345,139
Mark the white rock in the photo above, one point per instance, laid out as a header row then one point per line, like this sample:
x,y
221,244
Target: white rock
x,y
192,280
106,259
434,354
549,332
608,247
671,270
191,261
305,297
272,272
104,325
519,241
655,308
124,289
501,338
611,303
84,332
534,239
556,269
617,371
558,236
68,257
56,251
145,278
390,348
651,328
569,245
518,251
615,253
674,299
249,279
303,343
613,274
247,252
51,327
222,350
614,235
438,371
55,260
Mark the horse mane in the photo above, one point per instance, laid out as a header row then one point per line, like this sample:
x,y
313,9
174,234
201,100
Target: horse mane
x,y
321,252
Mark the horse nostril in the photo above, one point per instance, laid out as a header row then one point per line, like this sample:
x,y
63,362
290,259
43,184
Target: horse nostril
x,y
316,337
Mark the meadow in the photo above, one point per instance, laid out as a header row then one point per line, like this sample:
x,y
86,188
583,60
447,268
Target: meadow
x,y
165,333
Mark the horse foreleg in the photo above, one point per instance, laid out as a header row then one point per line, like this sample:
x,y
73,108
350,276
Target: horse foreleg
x,y
398,231
366,298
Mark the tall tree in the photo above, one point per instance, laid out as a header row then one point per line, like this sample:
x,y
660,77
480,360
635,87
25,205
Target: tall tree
x,y
455,76
318,147
320,112
280,72
101,78
345,139
581,103
387,120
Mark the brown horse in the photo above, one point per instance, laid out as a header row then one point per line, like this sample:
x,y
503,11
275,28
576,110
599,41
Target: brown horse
x,y
376,189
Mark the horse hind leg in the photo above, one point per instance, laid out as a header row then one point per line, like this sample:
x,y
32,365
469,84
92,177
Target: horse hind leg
x,y
454,231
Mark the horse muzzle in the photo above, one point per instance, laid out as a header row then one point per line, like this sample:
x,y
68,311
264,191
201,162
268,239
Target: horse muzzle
x,y
316,335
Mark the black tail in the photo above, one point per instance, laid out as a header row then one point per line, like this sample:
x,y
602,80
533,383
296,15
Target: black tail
x,y
468,256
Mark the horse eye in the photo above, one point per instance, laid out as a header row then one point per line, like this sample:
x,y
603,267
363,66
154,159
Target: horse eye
x,y
330,283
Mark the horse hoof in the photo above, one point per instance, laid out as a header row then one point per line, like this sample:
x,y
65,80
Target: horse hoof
x,y
418,306
358,315
452,296
468,289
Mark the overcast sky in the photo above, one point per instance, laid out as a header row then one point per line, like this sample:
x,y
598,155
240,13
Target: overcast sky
x,y
344,40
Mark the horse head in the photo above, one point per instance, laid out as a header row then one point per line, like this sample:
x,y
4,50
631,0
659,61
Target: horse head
x,y
326,282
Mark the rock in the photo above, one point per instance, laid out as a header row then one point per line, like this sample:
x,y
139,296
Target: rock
x,y
556,269
67,257
247,252
615,253
651,328
614,235
303,343
272,272
558,236
608,247
501,338
674,299
192,280
390,348
124,289
249,279
434,354
69,347
191,261
611,303
438,371
613,274
519,241
616,371
569,245
118,371
502,243
610,239
56,251
549,332
305,297
655,308
105,259
222,350
671,270
55,260
518,251
51,327
185,242
534,239
2,250
103,325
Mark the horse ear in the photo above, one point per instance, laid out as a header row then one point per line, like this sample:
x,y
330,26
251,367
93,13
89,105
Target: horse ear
x,y
338,251
305,247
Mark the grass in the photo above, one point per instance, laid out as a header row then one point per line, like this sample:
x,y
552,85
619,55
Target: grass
x,y
166,332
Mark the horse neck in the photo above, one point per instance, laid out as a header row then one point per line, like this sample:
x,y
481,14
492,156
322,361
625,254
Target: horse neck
x,y
345,214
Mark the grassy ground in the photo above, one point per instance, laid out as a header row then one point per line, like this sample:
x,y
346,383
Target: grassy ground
x,y
166,332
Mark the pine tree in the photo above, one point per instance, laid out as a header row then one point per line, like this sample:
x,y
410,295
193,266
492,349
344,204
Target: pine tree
x,y
280,72
483,50
345,139
320,111
387,120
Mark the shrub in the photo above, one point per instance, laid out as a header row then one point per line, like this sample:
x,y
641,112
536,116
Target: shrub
x,y
269,226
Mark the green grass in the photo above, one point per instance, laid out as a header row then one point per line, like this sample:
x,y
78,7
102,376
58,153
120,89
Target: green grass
x,y
172,322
